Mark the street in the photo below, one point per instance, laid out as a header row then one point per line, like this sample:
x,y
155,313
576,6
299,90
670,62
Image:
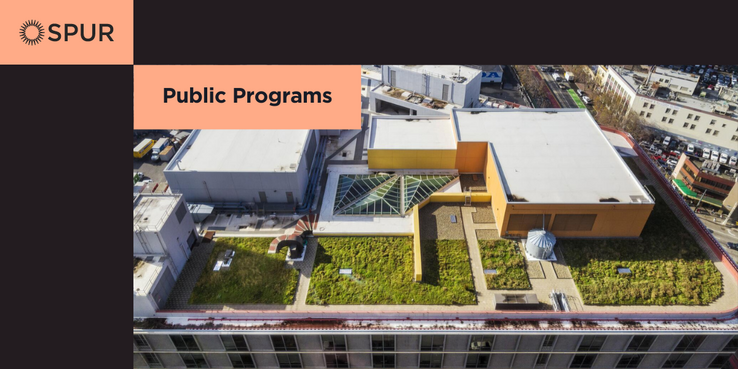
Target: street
x,y
723,234
562,96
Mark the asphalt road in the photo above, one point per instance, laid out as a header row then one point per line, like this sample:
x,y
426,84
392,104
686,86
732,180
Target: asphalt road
x,y
562,96
723,234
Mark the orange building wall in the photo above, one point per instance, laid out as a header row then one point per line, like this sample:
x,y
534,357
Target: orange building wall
x,y
470,156
613,220
411,159
494,188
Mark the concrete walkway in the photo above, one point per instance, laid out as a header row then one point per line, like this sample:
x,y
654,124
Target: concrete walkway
x,y
306,270
485,297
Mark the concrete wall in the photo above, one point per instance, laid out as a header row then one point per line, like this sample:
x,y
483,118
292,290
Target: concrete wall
x,y
171,239
239,186
411,159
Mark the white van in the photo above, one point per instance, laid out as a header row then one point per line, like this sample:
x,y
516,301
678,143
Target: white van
x,y
706,153
690,149
667,139
715,155
723,158
733,160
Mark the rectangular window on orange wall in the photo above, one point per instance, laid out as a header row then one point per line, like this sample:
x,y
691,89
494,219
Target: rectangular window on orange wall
x,y
574,222
526,222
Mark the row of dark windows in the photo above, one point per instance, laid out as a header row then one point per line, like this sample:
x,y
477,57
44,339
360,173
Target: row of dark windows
x,y
590,343
429,360
562,222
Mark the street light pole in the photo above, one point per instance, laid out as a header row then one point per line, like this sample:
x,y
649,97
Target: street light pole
x,y
701,197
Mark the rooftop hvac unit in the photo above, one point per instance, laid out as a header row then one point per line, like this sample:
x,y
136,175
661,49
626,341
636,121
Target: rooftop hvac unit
x,y
540,243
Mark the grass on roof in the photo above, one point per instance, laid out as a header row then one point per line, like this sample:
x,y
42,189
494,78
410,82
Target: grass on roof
x,y
504,256
668,267
383,272
255,277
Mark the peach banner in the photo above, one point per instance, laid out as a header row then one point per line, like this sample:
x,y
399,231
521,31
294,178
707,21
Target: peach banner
x,y
246,96
66,32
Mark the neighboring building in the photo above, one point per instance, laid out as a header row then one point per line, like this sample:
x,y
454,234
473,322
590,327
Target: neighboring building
x,y
490,73
696,176
425,89
676,81
256,167
163,234
709,122
731,205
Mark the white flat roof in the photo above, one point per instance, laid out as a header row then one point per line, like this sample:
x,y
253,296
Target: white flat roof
x,y
150,210
551,156
241,150
144,275
417,134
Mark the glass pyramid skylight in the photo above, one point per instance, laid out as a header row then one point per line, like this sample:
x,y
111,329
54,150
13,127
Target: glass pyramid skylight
x,y
384,194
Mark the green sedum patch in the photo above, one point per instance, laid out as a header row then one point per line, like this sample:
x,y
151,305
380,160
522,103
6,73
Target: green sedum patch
x,y
255,277
504,256
667,266
383,272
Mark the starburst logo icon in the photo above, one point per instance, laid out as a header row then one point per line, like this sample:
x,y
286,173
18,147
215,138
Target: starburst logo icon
x,y
31,32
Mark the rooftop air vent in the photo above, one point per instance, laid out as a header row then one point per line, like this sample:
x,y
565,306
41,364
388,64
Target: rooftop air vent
x,y
293,166
638,198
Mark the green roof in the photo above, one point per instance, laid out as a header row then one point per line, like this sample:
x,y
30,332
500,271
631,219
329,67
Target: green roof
x,y
694,195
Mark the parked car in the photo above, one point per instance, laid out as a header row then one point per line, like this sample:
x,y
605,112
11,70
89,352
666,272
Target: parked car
x,y
723,158
733,245
671,162
563,86
706,153
690,149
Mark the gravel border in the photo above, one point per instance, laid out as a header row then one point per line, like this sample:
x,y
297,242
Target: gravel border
x,y
487,234
483,215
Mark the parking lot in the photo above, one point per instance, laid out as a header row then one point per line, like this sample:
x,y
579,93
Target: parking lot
x,y
711,76
508,90
153,170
